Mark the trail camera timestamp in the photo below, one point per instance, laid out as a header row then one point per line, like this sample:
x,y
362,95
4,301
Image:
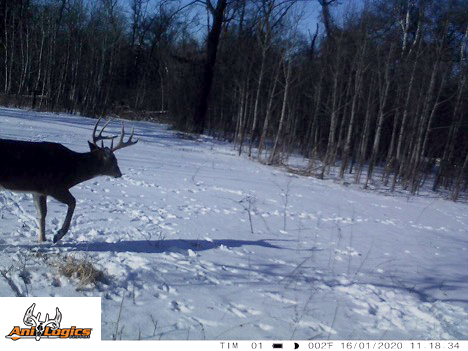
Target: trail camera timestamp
x,y
400,345
435,345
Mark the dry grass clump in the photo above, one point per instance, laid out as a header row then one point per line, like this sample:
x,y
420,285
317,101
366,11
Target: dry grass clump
x,y
82,270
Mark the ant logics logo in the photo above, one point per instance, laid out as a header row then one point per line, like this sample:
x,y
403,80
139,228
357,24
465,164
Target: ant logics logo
x,y
47,328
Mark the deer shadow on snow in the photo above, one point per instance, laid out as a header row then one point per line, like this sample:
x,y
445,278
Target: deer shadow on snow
x,y
160,246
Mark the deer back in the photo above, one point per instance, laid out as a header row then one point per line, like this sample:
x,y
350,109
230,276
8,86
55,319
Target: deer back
x,y
35,166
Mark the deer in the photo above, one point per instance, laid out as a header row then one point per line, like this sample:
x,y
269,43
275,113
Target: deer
x,y
51,169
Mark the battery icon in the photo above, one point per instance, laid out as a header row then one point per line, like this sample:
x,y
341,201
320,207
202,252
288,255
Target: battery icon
x,y
277,346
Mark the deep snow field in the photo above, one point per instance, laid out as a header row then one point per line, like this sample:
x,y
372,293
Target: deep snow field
x,y
198,243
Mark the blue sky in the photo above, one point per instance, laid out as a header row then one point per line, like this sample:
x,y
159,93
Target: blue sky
x,y
309,9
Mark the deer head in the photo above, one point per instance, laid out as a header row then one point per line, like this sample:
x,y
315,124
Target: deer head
x,y
34,321
105,154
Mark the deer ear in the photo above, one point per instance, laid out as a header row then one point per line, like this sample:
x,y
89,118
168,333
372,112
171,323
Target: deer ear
x,y
92,147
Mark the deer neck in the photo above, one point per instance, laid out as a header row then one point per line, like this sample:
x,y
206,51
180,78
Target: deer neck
x,y
88,166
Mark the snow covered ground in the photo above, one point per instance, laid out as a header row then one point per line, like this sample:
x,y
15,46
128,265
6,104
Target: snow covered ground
x,y
197,243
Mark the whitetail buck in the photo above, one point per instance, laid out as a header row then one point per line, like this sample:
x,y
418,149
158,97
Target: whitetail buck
x,y
50,169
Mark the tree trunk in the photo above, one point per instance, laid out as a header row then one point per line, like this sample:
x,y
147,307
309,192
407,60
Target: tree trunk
x,y
356,94
211,51
385,87
268,111
331,144
365,134
274,157
257,101
460,180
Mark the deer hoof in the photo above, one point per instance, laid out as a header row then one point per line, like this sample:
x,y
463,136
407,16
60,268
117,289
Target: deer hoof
x,y
57,237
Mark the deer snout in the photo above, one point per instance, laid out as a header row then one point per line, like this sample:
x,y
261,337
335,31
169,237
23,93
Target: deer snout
x,y
117,173
114,171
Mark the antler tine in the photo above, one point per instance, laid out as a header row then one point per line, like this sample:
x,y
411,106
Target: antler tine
x,y
29,318
55,323
58,314
98,137
123,144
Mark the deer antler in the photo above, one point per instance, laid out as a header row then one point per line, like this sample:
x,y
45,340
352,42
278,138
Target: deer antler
x,y
98,137
29,318
55,323
121,143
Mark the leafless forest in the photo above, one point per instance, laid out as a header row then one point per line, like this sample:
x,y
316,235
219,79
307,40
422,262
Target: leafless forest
x,y
381,88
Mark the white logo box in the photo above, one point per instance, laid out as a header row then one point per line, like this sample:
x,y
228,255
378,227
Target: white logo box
x,y
79,312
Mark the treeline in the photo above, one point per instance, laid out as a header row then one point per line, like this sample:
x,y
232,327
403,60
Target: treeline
x,y
382,88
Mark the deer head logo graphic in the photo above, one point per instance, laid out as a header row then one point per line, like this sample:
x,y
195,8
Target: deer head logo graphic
x,y
32,320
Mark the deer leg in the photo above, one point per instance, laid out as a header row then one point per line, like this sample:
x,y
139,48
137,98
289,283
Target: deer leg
x,y
41,205
67,198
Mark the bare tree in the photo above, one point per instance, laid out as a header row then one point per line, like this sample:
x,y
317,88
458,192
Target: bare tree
x,y
217,13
